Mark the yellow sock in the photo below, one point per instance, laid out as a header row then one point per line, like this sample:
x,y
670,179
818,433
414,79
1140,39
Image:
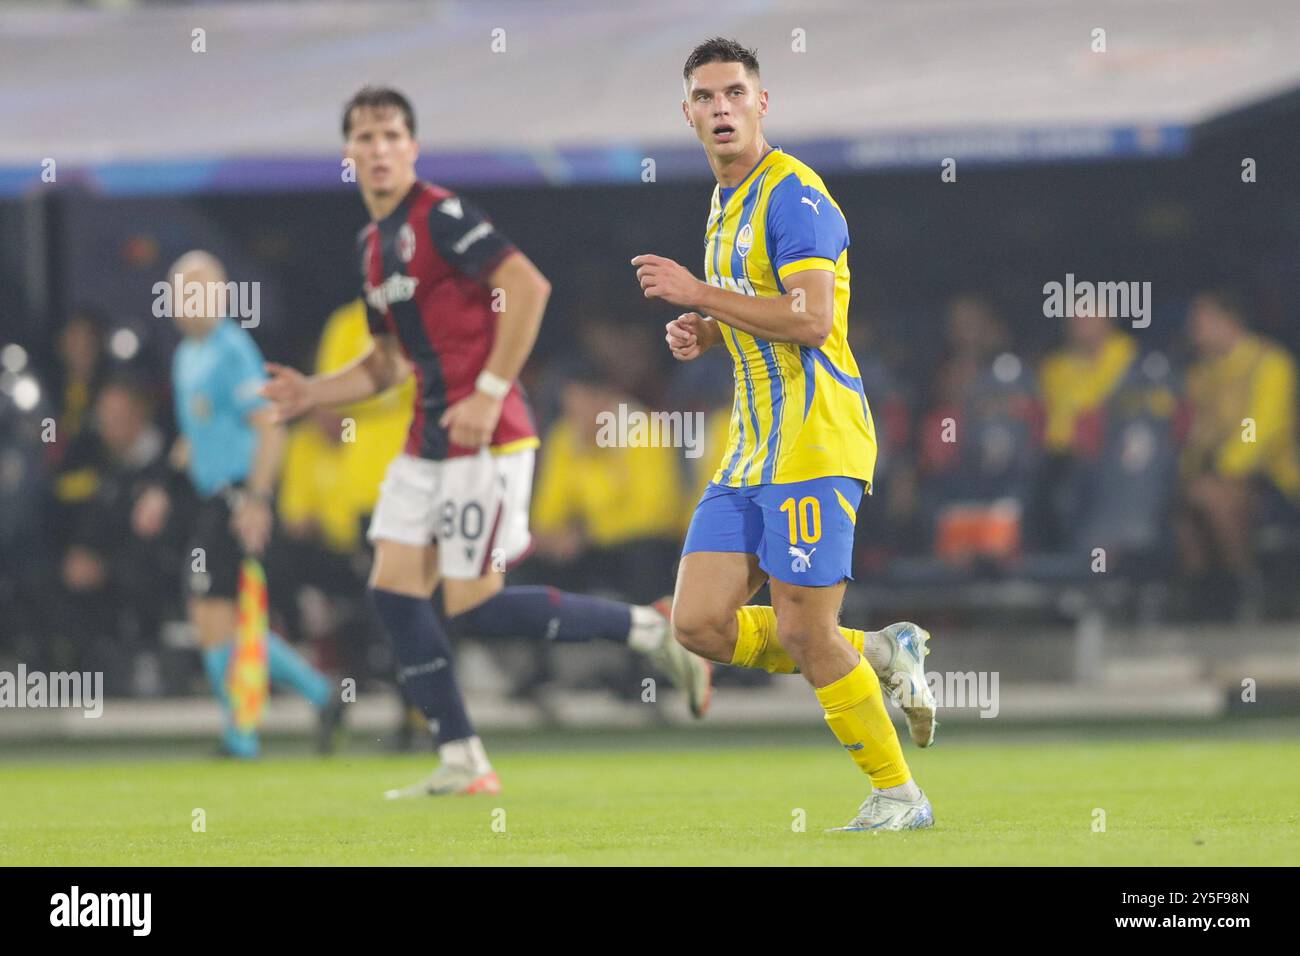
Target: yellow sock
x,y
855,712
858,639
757,645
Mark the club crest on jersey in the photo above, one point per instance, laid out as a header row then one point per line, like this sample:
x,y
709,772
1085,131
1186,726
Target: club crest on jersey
x,y
406,242
396,288
745,240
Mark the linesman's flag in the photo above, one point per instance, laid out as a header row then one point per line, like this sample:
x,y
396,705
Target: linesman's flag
x,y
249,677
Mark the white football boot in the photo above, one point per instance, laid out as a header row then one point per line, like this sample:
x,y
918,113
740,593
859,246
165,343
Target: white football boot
x,y
879,812
689,672
905,679
449,779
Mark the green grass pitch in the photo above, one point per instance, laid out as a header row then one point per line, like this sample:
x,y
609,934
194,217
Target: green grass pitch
x,y
668,798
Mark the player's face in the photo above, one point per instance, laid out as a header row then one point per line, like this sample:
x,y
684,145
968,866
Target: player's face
x,y
383,150
724,106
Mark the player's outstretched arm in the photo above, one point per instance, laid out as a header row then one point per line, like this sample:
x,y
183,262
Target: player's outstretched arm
x,y
292,393
803,315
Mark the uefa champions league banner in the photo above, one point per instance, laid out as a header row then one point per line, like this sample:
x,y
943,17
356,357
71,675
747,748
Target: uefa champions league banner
x,y
608,165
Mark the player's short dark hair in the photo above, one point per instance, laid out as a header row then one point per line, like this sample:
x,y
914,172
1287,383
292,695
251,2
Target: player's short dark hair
x,y
720,50
379,98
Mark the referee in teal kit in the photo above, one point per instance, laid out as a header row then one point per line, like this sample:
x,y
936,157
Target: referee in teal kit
x,y
234,450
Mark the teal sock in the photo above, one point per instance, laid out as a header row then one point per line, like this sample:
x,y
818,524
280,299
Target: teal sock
x,y
289,667
215,662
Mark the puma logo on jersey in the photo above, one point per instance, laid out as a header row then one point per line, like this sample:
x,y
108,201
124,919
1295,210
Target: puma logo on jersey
x,y
802,559
811,203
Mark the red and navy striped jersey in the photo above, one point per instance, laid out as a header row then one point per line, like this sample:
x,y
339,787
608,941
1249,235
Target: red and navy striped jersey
x,y
424,271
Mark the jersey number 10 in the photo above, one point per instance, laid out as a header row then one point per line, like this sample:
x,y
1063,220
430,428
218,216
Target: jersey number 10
x,y
807,515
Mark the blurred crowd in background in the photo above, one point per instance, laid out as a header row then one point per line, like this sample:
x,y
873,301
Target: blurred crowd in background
x,y
1174,468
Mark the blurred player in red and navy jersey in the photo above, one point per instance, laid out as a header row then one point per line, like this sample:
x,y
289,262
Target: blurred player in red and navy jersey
x,y
453,302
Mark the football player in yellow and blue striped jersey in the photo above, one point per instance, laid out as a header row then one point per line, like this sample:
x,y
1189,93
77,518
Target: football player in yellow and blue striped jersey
x,y
802,445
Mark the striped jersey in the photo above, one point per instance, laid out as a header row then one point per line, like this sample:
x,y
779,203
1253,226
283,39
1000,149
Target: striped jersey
x,y
424,269
799,412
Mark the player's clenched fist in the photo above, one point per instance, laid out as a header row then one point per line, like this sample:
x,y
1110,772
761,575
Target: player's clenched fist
x,y
288,390
665,279
471,421
690,335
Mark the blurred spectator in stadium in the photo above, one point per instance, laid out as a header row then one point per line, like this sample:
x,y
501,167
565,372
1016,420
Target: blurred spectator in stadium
x,y
1112,432
978,440
626,352
973,336
607,507
80,350
882,514
1077,380
1240,460
124,517
24,489
703,387
334,464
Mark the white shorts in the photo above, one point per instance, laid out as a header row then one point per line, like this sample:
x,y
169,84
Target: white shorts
x,y
474,508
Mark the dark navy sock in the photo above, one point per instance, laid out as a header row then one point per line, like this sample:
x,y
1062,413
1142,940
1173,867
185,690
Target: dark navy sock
x,y
424,664
545,613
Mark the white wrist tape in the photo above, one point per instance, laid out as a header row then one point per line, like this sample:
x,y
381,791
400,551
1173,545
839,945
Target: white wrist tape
x,y
492,385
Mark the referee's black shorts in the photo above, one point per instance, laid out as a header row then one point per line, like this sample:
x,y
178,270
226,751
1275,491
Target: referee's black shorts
x,y
214,553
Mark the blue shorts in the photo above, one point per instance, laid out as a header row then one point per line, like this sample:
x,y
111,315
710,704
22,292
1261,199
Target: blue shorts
x,y
802,532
